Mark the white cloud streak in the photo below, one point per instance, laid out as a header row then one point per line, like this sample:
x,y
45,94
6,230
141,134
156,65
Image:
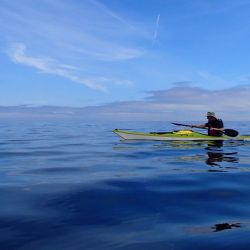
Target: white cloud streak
x,y
103,41
87,35
17,53
111,13
212,78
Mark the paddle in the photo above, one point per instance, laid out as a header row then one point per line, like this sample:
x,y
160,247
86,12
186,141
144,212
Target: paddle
x,y
228,131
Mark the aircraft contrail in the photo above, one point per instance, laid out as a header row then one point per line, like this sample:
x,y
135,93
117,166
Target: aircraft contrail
x,y
156,28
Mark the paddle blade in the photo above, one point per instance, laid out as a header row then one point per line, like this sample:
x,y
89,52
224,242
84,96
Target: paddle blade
x,y
230,132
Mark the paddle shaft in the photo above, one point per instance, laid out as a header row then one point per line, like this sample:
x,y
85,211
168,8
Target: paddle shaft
x,y
228,132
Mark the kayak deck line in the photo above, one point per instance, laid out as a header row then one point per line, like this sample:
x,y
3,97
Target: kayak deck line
x,y
179,135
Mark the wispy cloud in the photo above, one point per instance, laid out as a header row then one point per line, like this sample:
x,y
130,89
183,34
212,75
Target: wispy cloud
x,y
87,35
111,13
17,53
185,103
212,78
236,98
115,54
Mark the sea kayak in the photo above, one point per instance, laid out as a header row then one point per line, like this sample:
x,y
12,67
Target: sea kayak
x,y
179,135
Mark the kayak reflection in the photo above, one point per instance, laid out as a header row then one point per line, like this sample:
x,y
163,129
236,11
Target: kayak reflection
x,y
215,157
212,153
215,154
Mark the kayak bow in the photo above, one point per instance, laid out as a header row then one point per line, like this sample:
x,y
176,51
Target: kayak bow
x,y
180,135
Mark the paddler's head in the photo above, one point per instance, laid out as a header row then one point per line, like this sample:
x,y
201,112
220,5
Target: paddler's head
x,y
211,116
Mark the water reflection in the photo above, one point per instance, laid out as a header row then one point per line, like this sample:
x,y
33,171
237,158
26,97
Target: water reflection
x,y
216,155
212,153
225,226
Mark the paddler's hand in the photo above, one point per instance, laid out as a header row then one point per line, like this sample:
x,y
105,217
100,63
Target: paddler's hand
x,y
217,129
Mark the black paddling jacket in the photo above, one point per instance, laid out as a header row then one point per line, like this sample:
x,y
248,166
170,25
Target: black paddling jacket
x,y
218,123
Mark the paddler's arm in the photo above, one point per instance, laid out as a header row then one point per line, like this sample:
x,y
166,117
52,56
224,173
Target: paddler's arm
x,y
198,126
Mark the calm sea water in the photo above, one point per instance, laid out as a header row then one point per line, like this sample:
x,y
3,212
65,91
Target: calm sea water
x,y
72,185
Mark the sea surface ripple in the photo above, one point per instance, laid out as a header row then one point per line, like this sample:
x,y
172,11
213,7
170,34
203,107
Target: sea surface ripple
x,y
75,185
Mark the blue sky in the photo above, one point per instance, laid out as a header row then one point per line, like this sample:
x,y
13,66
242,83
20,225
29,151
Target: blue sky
x,y
158,55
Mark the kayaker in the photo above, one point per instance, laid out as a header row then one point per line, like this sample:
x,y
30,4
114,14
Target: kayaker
x,y
214,125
